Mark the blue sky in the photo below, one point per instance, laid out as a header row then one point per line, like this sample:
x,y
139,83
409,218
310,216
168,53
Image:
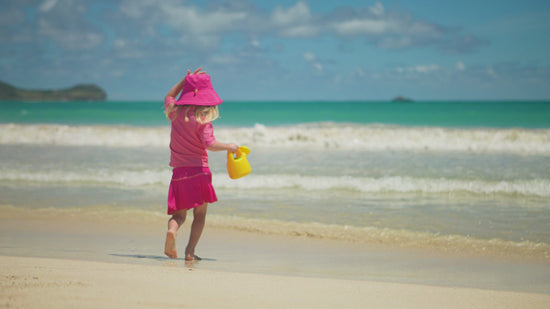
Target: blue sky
x,y
282,50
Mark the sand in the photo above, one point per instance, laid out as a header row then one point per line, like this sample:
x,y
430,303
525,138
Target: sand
x,y
72,259
58,283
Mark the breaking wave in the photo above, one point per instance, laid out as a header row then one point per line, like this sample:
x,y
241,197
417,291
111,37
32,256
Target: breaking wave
x,y
311,136
388,184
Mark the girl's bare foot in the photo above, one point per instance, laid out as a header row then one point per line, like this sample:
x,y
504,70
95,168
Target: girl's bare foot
x,y
170,245
190,256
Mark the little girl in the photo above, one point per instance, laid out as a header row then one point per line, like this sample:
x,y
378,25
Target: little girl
x,y
192,133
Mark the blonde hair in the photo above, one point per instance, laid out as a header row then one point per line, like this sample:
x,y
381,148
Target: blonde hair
x,y
203,114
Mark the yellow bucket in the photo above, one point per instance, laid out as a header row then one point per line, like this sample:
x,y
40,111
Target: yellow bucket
x,y
238,166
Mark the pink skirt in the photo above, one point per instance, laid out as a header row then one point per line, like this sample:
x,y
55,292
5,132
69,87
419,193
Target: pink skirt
x,y
190,187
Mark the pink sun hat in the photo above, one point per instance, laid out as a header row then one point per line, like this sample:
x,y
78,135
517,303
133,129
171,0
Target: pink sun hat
x,y
198,90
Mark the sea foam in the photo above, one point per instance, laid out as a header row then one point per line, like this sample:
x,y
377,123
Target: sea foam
x,y
387,236
365,184
397,184
307,136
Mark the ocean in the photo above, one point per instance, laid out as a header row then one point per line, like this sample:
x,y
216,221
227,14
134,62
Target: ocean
x,y
451,176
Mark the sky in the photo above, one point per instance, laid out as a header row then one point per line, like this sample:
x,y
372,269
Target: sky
x,y
282,50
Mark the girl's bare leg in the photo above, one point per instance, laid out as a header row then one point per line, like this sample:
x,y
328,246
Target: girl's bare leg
x,y
199,218
173,225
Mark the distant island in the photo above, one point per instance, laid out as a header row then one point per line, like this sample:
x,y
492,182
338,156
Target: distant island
x,y
402,99
80,92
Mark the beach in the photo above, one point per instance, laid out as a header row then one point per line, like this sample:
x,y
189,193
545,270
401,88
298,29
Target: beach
x,y
76,260
355,205
54,283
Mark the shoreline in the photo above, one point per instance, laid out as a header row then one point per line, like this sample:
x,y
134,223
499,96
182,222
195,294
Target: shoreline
x,y
39,282
139,240
148,221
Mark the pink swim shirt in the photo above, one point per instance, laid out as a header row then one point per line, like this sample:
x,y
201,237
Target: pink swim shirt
x,y
189,139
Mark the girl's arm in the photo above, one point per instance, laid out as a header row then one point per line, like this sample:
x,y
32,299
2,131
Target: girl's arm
x,y
217,146
175,90
179,86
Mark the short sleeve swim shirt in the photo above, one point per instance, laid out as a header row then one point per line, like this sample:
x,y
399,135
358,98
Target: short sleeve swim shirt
x,y
189,139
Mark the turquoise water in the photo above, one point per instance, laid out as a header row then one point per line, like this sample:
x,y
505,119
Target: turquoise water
x,y
456,176
524,114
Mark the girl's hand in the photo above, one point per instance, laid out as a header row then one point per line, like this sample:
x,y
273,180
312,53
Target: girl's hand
x,y
177,87
197,71
232,147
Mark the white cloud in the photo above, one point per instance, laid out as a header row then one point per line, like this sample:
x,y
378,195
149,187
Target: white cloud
x,y
299,31
224,59
47,5
377,9
459,66
420,68
318,67
296,21
119,43
155,28
388,29
65,23
191,19
395,43
420,28
200,28
314,63
425,68
363,27
193,27
377,22
309,56
492,72
358,72
297,14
